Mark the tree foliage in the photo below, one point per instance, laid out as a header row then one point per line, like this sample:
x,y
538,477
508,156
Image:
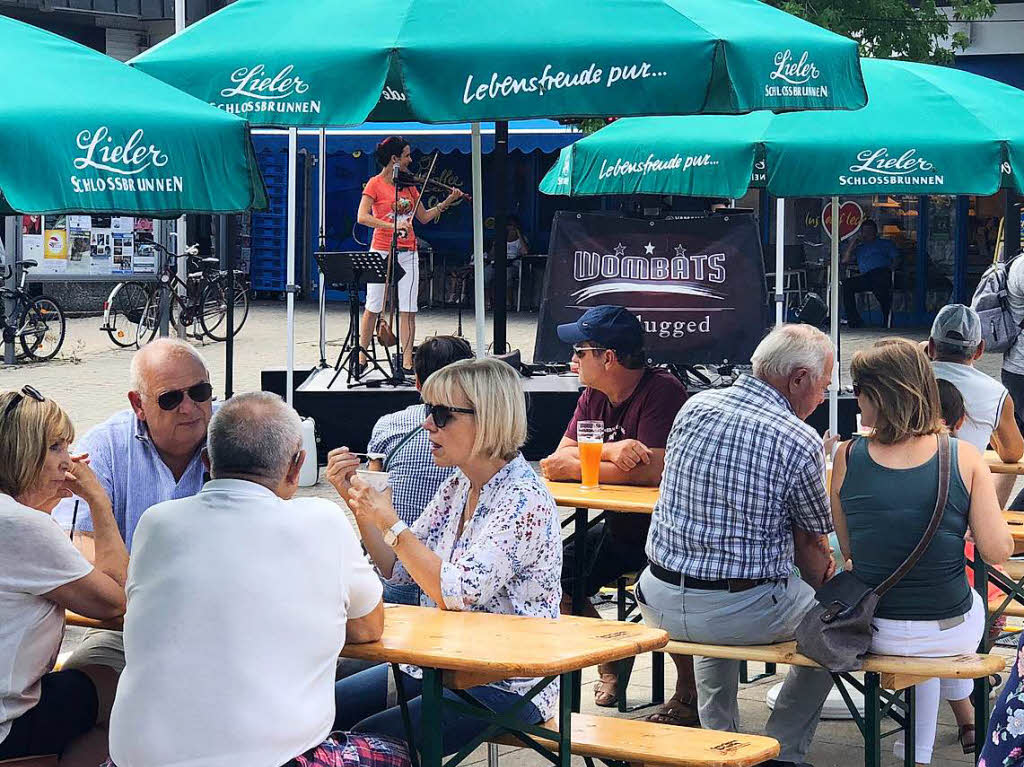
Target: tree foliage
x,y
917,30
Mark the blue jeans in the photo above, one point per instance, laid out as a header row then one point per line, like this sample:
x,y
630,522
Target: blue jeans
x,y
404,594
361,705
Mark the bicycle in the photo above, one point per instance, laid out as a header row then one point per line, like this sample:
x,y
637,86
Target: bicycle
x,y
132,310
37,322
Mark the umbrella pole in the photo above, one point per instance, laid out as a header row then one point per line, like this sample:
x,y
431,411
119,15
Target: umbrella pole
x,y
478,244
499,167
322,243
180,227
227,258
780,257
290,265
10,249
833,301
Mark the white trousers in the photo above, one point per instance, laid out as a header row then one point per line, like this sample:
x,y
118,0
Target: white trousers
x,y
928,639
408,286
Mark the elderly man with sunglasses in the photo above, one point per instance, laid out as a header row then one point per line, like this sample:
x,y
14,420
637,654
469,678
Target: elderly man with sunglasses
x,y
144,455
637,405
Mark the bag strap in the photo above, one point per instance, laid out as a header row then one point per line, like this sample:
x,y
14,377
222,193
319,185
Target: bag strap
x,y
933,525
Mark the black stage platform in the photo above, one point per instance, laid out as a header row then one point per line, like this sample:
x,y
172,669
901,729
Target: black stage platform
x,y
346,416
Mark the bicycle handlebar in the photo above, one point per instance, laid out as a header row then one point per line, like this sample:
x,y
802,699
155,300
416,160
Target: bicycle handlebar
x,y
190,251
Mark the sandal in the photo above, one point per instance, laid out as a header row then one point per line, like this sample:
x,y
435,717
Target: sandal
x,y
606,691
676,712
966,738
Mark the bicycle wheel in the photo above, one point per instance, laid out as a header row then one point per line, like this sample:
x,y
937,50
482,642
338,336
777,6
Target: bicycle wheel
x,y
125,309
42,329
214,307
149,320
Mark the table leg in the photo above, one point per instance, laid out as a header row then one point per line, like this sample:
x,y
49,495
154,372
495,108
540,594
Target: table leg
x,y
403,703
909,730
657,677
519,287
430,719
566,706
578,591
872,720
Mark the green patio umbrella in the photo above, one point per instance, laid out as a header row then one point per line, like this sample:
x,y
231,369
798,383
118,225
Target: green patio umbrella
x,y
338,62
82,132
925,130
343,62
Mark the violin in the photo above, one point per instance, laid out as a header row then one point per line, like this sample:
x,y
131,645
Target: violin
x,y
408,179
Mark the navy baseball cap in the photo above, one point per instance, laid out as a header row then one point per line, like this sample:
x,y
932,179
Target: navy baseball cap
x,y
611,327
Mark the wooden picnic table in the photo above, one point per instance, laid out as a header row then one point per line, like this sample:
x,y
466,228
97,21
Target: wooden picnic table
x,y
74,619
465,649
630,499
997,466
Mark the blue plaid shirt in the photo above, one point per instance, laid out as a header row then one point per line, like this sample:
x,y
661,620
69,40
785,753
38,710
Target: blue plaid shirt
x,y
414,477
741,470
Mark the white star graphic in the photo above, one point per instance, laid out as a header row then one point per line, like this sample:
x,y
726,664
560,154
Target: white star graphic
x,y
680,251
620,249
649,249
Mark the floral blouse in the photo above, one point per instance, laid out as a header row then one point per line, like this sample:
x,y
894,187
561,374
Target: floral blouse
x,y
508,559
1004,744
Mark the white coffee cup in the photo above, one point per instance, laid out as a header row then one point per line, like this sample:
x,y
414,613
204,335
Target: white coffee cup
x,y
378,480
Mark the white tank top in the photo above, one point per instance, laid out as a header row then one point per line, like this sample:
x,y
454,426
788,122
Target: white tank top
x,y
983,400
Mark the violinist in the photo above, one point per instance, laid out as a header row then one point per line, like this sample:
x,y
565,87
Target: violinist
x,y
377,210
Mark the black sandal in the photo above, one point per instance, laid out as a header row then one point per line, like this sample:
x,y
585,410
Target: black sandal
x,y
966,738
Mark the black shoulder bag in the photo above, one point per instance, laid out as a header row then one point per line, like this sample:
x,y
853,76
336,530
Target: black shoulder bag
x,y
837,631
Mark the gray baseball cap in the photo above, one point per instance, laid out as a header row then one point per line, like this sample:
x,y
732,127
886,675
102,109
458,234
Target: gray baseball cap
x,y
957,325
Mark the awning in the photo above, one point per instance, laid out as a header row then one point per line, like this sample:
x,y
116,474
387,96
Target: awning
x,y
523,136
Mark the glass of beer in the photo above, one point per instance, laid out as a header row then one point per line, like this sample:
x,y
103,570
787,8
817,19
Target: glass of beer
x,y
590,436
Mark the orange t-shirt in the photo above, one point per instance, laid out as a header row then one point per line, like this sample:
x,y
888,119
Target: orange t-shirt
x,y
382,193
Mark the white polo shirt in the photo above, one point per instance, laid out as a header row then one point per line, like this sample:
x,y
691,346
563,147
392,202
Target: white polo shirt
x,y
237,603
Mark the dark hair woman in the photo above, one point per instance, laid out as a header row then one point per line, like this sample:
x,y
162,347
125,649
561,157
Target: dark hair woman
x,y
378,209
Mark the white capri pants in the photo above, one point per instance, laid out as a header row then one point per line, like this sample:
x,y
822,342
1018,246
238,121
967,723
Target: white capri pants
x,y
408,286
926,639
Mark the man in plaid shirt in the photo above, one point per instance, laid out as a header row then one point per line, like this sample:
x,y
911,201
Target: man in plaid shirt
x,y
742,497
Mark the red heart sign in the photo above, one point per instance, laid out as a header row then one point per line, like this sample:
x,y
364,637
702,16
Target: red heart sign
x,y
850,218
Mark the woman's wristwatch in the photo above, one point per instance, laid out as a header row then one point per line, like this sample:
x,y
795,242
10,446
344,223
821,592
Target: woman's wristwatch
x,y
392,533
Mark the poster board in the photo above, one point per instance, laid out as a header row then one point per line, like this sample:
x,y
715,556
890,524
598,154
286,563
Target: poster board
x,y
89,247
697,284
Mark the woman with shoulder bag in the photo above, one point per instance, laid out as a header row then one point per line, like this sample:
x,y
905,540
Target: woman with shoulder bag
x,y
884,490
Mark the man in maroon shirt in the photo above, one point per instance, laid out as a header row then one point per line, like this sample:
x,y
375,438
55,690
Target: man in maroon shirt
x,y
637,404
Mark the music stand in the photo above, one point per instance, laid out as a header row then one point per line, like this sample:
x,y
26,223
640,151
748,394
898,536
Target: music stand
x,y
350,270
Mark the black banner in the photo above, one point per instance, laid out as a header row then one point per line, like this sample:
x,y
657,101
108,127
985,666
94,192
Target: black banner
x,y
697,284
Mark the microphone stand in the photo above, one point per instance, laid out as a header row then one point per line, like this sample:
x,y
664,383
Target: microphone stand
x,y
397,374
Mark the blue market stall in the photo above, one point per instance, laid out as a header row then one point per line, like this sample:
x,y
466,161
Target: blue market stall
x,y
350,162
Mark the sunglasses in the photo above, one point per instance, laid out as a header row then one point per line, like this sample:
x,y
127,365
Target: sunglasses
x,y
442,414
200,392
26,391
579,351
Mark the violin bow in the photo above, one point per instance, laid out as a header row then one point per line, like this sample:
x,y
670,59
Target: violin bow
x,y
423,188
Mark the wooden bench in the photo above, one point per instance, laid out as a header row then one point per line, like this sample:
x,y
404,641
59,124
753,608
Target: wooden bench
x,y
636,742
888,685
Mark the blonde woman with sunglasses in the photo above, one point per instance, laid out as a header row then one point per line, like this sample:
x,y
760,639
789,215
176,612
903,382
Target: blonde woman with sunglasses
x,y
489,541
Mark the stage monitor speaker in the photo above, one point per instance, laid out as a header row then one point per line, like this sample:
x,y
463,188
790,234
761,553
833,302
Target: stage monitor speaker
x,y
513,358
813,311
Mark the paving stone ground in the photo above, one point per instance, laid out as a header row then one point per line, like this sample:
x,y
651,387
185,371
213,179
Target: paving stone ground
x,y
89,380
